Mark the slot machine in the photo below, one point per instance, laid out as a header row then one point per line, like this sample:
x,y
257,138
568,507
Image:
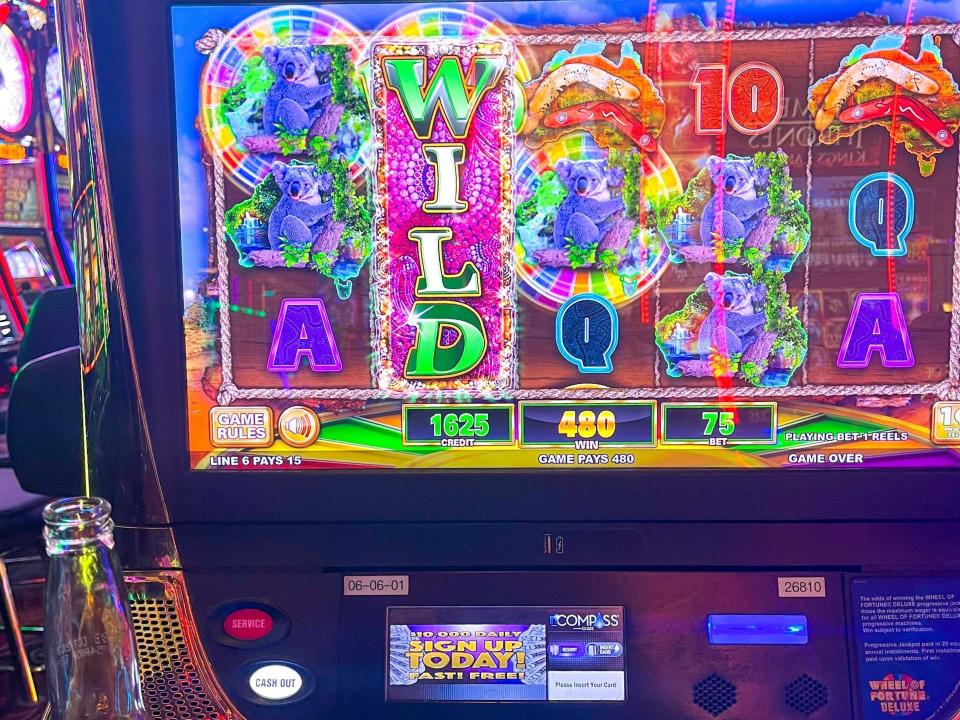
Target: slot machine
x,y
525,359
34,179
57,162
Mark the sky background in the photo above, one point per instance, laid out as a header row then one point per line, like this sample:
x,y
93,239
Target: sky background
x,y
190,22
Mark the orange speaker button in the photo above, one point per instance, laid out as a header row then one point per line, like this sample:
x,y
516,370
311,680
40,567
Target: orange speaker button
x,y
298,426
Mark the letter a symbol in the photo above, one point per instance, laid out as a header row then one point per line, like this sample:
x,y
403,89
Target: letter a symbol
x,y
303,331
876,324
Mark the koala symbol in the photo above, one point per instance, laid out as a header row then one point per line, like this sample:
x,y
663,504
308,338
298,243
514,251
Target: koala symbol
x,y
733,324
735,209
301,214
589,210
298,96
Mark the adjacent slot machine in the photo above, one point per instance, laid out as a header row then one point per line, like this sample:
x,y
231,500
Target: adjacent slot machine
x,y
513,359
34,178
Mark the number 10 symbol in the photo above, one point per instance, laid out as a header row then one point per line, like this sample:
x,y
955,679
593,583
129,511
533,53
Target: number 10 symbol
x,y
752,98
949,415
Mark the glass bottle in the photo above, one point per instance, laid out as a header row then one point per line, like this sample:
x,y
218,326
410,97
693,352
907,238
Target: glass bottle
x,y
91,654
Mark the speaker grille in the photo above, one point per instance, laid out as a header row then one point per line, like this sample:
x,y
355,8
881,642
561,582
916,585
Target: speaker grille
x,y
715,695
806,695
177,683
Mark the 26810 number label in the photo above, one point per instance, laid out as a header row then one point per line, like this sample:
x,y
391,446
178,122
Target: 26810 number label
x,y
802,587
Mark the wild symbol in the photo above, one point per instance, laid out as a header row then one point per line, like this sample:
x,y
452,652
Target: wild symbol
x,y
443,262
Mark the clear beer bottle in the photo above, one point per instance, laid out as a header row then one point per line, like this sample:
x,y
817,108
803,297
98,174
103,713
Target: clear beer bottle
x,y
91,653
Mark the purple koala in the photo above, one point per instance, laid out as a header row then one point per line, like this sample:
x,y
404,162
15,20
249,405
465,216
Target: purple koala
x,y
301,214
735,208
300,93
589,211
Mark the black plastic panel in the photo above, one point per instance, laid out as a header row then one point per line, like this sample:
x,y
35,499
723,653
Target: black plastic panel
x,y
342,640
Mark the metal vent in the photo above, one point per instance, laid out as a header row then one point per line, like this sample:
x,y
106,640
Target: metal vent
x,y
715,695
805,695
177,685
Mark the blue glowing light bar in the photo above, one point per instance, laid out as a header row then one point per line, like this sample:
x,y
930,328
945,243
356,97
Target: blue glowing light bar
x,y
757,629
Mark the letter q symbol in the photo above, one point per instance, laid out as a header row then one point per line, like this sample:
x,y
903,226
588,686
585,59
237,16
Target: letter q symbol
x,y
881,214
588,331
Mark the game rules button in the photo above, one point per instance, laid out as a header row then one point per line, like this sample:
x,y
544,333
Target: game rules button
x,y
248,624
241,427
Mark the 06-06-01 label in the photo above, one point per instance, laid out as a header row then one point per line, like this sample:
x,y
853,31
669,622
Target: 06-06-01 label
x,y
802,587
368,585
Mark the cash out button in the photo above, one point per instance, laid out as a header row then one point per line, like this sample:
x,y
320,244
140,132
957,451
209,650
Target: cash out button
x,y
274,682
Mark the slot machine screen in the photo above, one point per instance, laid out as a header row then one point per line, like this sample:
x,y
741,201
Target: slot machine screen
x,y
558,235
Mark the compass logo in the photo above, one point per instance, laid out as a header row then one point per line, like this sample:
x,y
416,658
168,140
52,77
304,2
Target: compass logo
x,y
587,621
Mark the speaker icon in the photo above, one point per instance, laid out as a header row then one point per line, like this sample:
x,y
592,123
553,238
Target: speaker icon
x,y
298,426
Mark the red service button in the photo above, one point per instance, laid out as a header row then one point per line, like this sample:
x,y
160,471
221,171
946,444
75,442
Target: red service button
x,y
248,624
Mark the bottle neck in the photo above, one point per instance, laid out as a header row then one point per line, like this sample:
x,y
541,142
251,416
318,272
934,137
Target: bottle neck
x,y
72,525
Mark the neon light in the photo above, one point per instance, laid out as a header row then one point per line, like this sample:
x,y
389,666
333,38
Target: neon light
x,y
881,207
11,151
46,181
215,305
16,91
757,629
587,332
877,324
303,330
